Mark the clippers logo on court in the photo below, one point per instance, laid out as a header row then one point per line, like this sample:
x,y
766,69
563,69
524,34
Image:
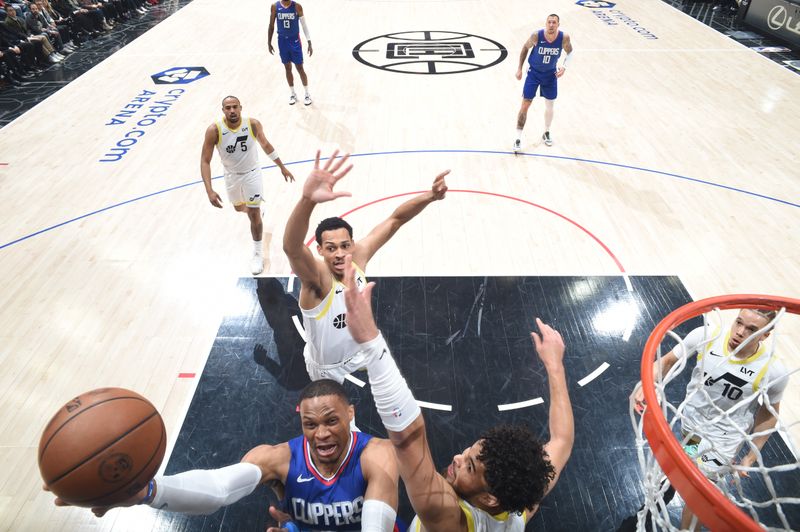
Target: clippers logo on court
x,y
615,17
595,4
340,321
179,75
429,52
116,467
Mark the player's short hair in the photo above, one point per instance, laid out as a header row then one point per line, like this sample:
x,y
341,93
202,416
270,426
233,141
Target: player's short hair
x,y
231,97
554,15
768,315
329,224
322,388
518,470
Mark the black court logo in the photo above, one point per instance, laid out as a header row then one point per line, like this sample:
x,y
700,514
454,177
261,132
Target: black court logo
x,y
430,52
179,75
340,321
116,467
596,4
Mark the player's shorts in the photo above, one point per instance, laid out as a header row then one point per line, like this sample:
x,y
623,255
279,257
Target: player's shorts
x,y
245,188
291,50
546,82
337,371
713,461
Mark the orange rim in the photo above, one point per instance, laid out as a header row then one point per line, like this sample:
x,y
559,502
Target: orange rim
x,y
711,507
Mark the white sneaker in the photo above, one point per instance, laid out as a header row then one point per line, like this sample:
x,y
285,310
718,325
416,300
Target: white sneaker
x,y
257,264
307,100
292,99
517,146
546,138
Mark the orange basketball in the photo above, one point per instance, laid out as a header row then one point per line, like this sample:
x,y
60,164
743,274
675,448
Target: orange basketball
x,y
102,447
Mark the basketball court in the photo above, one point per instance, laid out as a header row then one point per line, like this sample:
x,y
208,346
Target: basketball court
x,y
672,177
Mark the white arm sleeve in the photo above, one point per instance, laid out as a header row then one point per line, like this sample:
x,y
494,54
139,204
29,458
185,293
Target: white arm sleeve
x,y
566,58
204,491
393,399
305,28
377,516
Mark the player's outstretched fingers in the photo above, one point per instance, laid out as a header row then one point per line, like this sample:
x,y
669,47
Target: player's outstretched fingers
x,y
316,161
331,160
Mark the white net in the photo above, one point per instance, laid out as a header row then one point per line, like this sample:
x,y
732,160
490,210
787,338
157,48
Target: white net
x,y
722,412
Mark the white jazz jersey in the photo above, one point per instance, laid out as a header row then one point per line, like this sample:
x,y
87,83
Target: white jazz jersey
x,y
330,348
729,382
480,521
237,147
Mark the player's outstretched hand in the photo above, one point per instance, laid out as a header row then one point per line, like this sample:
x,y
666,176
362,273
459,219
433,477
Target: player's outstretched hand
x,y
287,175
549,345
320,182
101,511
283,519
360,321
638,398
215,200
439,187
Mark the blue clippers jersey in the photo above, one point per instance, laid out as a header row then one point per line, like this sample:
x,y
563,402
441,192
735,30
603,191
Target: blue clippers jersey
x,y
316,503
288,21
544,56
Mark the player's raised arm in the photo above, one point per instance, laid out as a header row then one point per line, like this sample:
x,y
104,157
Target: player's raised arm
x,y
269,149
318,188
381,233
550,347
209,141
379,465
431,496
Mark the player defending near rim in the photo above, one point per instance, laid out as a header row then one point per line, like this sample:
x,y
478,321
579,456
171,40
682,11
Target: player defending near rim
x,y
497,482
330,351
330,477
543,73
731,369
235,137
289,14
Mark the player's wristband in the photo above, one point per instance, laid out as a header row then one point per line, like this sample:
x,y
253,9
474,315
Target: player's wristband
x,y
150,489
274,155
290,526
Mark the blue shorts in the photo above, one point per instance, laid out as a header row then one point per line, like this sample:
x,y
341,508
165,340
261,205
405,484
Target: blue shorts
x,y
291,50
546,82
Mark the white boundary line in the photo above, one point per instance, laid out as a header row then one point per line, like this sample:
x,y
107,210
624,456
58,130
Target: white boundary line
x,y
434,406
593,375
521,404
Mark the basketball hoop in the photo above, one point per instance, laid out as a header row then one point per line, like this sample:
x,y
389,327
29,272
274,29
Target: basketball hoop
x,y
666,458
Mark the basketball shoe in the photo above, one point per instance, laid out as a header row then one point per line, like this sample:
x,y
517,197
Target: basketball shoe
x,y
292,99
546,138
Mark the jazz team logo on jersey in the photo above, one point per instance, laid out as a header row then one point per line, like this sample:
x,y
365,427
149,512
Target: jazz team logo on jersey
x,y
596,4
429,52
179,75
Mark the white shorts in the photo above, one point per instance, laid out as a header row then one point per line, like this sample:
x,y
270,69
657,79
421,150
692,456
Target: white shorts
x,y
335,372
714,461
246,188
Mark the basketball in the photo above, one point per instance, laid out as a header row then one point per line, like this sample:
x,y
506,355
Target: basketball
x,y
102,447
